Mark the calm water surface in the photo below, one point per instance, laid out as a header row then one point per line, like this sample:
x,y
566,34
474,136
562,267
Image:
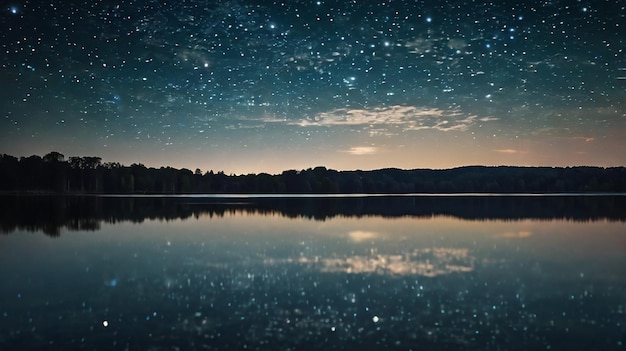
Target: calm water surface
x,y
294,274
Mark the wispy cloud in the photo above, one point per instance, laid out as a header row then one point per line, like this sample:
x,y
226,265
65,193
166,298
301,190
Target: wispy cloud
x,y
510,151
488,119
585,139
362,150
405,117
420,45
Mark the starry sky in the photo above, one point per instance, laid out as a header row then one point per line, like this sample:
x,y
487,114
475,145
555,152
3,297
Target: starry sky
x,y
259,86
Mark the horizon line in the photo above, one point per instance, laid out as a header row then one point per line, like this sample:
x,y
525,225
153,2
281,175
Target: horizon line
x,y
66,159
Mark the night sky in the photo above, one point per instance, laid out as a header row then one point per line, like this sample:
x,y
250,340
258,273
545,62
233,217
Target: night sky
x,y
261,86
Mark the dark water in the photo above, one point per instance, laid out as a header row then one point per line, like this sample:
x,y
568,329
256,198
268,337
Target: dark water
x,y
382,273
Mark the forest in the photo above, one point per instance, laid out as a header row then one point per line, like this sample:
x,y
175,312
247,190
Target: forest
x,y
53,173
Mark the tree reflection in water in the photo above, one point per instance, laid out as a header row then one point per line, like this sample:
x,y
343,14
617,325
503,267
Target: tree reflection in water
x,y
51,214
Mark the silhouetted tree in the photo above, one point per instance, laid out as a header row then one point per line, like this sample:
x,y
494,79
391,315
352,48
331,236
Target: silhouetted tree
x,y
89,174
9,173
57,169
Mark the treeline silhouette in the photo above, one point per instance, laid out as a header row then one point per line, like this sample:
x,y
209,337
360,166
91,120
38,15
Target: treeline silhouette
x,y
53,173
51,214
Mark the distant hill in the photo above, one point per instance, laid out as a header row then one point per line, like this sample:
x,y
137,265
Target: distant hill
x,y
52,173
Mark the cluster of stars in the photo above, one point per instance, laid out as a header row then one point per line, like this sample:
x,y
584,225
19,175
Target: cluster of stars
x,y
205,63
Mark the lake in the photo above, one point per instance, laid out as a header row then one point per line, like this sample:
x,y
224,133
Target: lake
x,y
312,273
